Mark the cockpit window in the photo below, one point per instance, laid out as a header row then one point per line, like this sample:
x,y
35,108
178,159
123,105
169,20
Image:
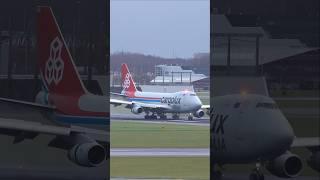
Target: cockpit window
x,y
267,105
192,94
236,105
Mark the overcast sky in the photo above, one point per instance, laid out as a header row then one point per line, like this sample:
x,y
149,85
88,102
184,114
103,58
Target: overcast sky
x,y
166,28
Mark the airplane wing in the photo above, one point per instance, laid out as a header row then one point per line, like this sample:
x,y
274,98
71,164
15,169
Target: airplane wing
x,y
21,130
152,106
26,104
118,94
143,105
306,142
119,102
25,128
205,107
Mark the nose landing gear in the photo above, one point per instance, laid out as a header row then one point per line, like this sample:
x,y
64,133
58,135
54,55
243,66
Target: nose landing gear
x,y
216,173
256,174
190,117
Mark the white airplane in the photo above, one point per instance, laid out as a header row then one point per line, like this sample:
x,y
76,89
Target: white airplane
x,y
65,108
155,102
251,128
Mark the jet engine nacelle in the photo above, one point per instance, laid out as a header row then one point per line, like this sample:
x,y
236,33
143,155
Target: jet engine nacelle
x,y
42,98
287,165
136,109
198,113
314,161
89,154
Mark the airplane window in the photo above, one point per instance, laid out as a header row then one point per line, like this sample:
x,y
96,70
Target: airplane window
x,y
267,105
236,105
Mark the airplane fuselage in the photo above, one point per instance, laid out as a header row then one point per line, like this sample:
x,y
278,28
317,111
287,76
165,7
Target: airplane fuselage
x,y
246,128
87,109
179,102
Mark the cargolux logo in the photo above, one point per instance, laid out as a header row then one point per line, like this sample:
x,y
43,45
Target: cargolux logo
x,y
54,65
126,82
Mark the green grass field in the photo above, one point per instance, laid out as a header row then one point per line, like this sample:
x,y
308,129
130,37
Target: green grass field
x,y
136,134
160,167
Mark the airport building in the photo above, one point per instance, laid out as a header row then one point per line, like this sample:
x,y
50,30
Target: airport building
x,y
166,74
255,50
83,24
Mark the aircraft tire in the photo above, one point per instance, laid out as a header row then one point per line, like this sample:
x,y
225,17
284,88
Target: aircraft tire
x,y
190,118
175,116
217,175
164,117
256,175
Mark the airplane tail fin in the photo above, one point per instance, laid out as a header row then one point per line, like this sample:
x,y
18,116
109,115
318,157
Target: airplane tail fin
x,y
128,84
57,69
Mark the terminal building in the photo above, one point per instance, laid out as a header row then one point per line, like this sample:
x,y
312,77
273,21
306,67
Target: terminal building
x,y
168,74
253,54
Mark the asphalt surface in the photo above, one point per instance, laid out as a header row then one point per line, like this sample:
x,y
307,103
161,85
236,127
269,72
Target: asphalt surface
x,y
46,174
140,118
232,177
159,152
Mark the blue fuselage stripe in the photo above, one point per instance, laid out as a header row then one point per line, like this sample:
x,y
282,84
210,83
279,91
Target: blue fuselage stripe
x,y
144,100
83,120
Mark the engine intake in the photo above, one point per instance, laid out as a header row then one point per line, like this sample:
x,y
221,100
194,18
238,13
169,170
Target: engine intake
x,y
87,154
199,113
287,165
136,109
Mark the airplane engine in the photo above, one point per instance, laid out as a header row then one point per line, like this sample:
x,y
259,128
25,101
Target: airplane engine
x,y
42,98
136,109
87,154
314,161
199,113
287,165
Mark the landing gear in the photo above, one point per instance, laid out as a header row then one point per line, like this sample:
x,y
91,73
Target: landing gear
x,y
163,116
175,116
216,174
190,117
256,174
153,116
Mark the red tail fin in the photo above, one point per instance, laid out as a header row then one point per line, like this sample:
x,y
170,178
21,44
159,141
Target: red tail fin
x,y
58,71
127,80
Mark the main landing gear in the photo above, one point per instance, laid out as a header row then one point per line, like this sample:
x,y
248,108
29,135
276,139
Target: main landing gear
x,y
175,116
256,174
162,116
154,116
216,173
190,117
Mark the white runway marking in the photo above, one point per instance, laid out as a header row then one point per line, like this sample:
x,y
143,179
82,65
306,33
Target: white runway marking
x,y
159,152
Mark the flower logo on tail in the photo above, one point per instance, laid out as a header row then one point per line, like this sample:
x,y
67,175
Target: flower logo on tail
x,y
54,65
126,82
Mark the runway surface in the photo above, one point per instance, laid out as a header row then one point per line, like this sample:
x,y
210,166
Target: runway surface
x,y
47,174
159,152
140,118
229,177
